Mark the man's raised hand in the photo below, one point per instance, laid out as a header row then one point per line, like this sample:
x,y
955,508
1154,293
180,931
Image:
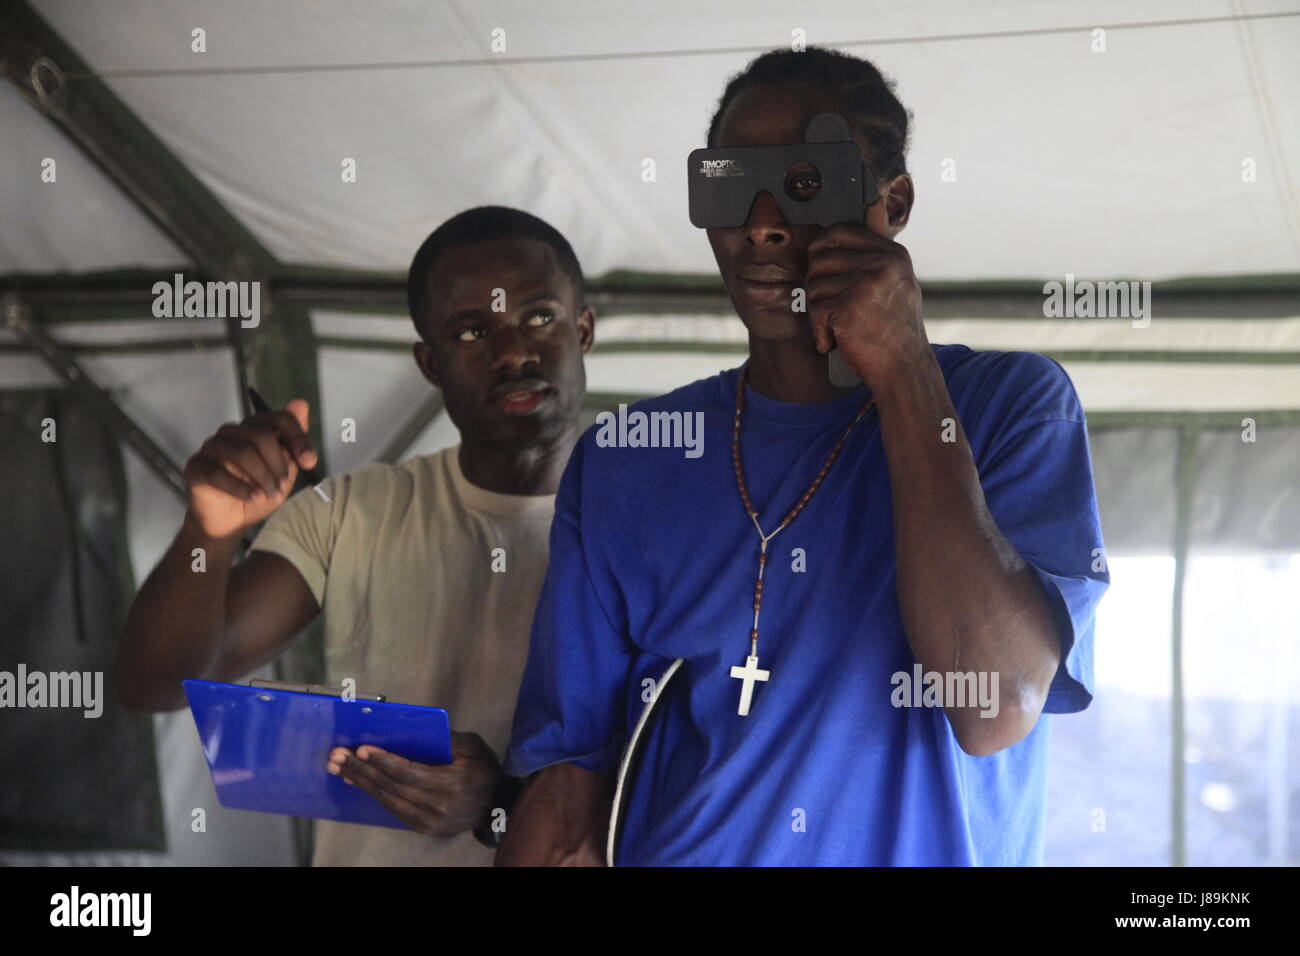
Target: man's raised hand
x,y
244,472
863,296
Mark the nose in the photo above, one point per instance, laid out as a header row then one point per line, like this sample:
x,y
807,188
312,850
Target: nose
x,y
512,351
765,225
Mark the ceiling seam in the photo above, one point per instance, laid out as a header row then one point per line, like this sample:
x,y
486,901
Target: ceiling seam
x,y
1246,40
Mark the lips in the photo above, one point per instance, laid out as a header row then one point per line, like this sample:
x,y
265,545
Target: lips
x,y
769,274
519,398
768,283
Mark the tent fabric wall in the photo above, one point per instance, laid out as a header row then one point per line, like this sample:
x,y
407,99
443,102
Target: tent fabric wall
x,y
1247,493
80,772
178,398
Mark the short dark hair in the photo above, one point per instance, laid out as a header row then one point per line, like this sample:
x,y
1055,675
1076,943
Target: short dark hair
x,y
865,96
485,224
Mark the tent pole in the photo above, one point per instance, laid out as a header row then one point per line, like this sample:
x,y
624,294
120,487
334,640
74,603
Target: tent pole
x,y
1188,439
411,429
22,320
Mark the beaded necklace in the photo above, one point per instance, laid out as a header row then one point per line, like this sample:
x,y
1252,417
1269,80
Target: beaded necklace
x,y
750,672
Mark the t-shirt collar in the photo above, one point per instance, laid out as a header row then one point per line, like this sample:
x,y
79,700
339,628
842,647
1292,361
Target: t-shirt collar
x,y
492,502
791,413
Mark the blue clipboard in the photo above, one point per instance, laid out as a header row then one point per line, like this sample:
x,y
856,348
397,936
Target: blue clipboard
x,y
268,748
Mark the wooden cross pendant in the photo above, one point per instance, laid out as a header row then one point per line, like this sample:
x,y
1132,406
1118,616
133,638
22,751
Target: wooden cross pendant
x,y
748,674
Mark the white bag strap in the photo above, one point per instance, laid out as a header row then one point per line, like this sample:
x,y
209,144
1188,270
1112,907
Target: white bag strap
x,y
629,753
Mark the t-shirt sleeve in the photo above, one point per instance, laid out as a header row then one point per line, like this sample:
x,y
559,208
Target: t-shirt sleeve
x,y
572,698
1036,472
303,531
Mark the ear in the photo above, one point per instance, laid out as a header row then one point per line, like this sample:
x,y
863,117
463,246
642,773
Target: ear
x,y
428,363
586,329
899,195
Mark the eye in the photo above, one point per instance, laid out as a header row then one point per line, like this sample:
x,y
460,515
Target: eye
x,y
540,318
470,333
802,182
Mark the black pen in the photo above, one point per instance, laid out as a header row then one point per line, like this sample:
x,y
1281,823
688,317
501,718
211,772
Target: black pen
x,y
311,475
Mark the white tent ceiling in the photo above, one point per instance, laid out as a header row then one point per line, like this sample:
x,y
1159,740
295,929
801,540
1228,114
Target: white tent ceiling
x,y
80,222
1123,164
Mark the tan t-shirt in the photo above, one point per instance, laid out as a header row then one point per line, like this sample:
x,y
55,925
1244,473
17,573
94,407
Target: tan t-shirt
x,y
401,560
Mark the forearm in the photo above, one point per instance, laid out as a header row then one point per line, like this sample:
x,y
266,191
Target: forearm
x,y
176,624
560,819
969,602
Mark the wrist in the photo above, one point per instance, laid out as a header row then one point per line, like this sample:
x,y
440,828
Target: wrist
x,y
193,532
504,793
917,386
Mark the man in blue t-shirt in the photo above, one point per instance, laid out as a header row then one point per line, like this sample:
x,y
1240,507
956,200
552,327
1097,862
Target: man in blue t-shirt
x,y
789,623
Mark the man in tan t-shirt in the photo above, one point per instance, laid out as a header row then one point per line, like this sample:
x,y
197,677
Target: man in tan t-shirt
x,y
428,571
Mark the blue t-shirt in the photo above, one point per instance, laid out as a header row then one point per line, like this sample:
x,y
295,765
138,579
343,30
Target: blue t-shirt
x,y
653,558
